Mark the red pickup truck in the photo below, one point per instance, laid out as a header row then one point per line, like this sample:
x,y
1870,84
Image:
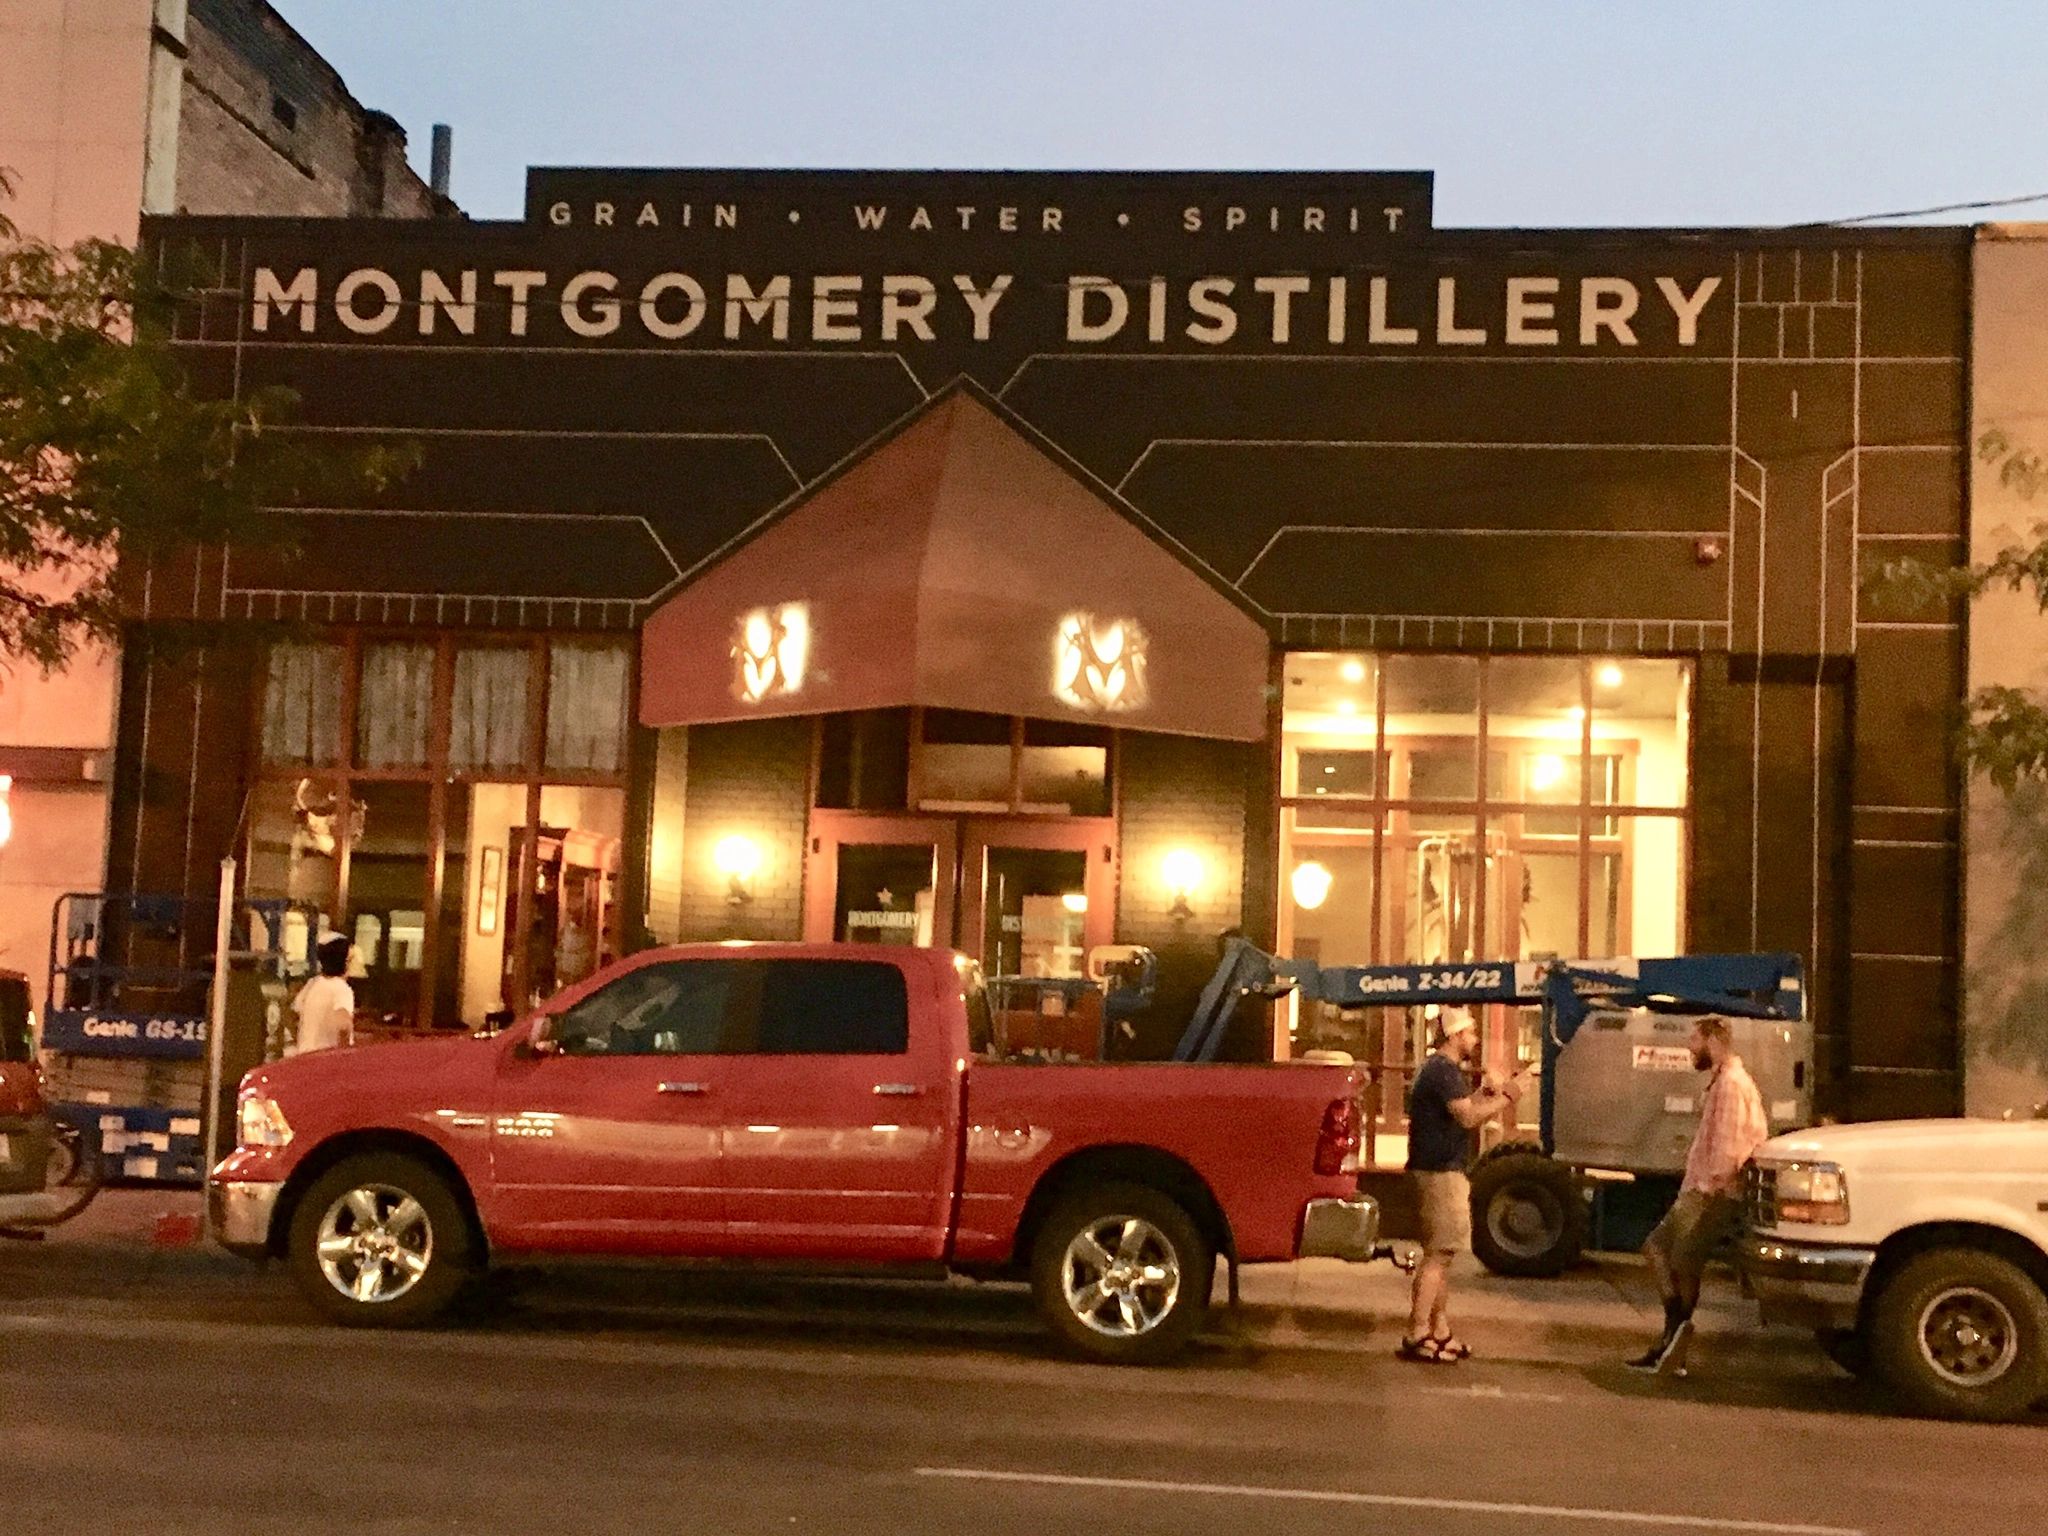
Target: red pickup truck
x,y
825,1104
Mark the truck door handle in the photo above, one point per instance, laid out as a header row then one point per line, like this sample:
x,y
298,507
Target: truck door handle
x,y
694,1090
897,1090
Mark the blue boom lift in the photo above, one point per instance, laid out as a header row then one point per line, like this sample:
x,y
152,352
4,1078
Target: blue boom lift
x,y
1619,1094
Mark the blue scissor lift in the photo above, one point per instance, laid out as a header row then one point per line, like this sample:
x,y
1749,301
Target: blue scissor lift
x,y
1619,1098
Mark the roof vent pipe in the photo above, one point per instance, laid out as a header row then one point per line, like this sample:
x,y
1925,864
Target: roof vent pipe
x,y
444,147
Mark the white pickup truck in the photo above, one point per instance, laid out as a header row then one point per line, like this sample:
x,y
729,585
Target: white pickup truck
x,y
1917,1251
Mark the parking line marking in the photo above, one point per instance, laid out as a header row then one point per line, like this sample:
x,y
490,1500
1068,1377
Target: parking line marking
x,y
1386,1501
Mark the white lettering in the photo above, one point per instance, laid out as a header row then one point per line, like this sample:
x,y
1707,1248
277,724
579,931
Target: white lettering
x,y
1191,220
1282,291
1688,308
1377,331
650,305
770,304
1532,312
982,302
1448,332
520,286
908,301
601,215
921,219
833,316
558,213
601,318
1079,326
648,215
1006,220
345,301
1312,220
1233,218
1155,310
1340,316
1607,303
1049,221
867,216
725,216
1220,323
267,294
436,298
966,217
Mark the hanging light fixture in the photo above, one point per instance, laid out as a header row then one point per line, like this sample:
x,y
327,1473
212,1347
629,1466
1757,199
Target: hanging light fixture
x,y
1310,882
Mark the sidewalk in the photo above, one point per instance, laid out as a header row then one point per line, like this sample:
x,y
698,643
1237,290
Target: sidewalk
x,y
1603,1309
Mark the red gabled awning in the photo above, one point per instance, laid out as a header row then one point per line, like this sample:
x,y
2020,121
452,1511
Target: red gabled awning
x,y
958,565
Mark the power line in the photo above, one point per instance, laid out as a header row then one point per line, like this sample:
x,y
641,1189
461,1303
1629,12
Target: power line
x,y
1916,213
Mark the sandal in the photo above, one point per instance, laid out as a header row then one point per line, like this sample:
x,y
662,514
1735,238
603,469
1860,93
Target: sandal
x,y
1451,1347
1425,1351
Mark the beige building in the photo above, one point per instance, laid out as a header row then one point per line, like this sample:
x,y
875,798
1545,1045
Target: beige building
x,y
111,109
2005,895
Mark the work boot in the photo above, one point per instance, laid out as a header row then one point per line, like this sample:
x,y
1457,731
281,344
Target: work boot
x,y
1667,1358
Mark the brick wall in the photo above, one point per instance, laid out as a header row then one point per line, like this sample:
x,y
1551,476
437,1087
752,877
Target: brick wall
x,y
1178,792
751,778
267,126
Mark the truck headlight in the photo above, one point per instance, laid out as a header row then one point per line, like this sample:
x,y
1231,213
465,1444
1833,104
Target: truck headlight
x,y
1813,1193
262,1123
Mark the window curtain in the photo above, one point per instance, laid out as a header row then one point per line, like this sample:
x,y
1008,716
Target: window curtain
x,y
487,719
395,706
587,707
302,705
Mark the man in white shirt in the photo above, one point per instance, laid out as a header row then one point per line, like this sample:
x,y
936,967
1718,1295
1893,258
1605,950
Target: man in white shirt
x,y
326,1005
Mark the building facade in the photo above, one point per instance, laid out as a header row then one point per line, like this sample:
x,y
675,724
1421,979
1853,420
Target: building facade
x,y
110,110
1028,563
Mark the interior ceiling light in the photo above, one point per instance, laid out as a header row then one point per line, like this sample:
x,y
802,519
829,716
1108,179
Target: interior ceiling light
x,y
1353,670
1546,771
1609,675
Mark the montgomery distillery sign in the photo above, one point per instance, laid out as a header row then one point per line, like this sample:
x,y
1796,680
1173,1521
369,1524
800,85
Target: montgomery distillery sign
x,y
965,265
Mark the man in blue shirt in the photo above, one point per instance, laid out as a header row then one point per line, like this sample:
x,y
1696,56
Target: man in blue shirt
x,y
1443,1111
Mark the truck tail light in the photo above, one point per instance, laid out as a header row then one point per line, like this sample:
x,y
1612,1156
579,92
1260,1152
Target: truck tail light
x,y
1337,1142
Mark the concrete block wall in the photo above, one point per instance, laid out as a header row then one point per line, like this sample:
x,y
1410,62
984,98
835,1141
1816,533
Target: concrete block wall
x,y
751,778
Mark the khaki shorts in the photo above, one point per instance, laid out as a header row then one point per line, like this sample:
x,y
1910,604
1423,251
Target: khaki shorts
x,y
1695,1226
1446,1202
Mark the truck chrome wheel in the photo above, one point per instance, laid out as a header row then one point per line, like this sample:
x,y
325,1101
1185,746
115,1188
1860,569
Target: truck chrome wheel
x,y
1968,1336
374,1243
1121,1276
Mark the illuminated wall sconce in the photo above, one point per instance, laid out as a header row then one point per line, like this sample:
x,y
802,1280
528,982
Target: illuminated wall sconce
x,y
737,859
1182,869
1099,664
771,648
1311,883
6,809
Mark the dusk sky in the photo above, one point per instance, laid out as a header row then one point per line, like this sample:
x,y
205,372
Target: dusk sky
x,y
1542,112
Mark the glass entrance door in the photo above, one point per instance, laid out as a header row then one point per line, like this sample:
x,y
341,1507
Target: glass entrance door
x,y
1036,896
880,879
1025,896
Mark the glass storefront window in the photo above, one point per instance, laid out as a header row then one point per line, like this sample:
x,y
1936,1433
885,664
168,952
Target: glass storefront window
x,y
302,705
1064,769
528,898
588,684
1507,807
487,709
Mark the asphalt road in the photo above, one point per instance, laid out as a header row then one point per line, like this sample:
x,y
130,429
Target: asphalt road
x,y
217,1407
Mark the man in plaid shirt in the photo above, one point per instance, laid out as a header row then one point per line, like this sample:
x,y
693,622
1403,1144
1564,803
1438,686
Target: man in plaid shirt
x,y
1709,1206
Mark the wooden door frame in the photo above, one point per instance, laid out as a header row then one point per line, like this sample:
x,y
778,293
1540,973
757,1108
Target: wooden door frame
x,y
829,830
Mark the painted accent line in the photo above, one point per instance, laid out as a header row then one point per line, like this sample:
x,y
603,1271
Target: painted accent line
x,y
1901,842
1385,1501
1860,954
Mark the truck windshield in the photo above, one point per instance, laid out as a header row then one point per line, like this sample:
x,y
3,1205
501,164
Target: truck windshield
x,y
15,1044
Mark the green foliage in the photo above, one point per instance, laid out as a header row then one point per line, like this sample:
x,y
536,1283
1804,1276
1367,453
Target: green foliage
x,y
108,454
2004,731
